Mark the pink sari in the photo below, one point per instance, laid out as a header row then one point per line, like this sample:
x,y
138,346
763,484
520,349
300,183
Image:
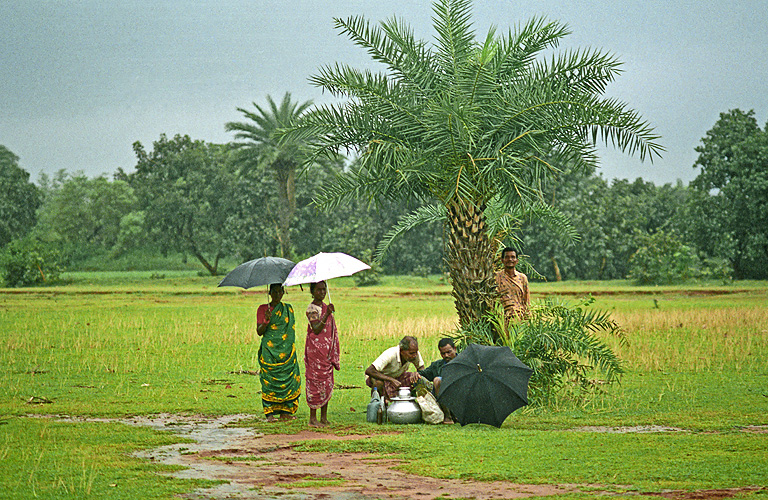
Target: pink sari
x,y
321,357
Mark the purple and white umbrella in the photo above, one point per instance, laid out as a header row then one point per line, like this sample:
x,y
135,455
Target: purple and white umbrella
x,y
324,266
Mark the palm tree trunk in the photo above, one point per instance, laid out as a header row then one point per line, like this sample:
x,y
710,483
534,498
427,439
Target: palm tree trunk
x,y
286,182
469,255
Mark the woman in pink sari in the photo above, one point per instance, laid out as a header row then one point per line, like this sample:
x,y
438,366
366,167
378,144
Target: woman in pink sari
x,y
321,354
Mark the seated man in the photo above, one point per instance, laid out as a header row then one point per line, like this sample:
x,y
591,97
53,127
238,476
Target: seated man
x,y
434,372
388,372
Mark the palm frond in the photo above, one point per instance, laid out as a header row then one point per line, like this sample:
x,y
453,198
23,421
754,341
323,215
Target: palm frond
x,y
587,71
394,45
422,215
374,93
520,48
454,35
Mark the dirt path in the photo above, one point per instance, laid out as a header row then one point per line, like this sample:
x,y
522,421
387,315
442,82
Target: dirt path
x,y
266,466
350,475
258,466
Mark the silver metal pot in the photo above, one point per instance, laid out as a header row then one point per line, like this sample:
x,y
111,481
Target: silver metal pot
x,y
404,409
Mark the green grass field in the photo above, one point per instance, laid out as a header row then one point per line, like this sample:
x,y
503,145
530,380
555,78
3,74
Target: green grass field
x,y
118,344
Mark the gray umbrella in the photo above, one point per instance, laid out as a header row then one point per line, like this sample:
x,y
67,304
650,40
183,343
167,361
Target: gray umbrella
x,y
258,272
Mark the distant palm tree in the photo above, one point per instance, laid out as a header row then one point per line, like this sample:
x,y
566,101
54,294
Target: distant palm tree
x,y
261,147
469,123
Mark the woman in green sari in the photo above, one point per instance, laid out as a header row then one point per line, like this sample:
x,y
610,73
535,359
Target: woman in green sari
x,y
279,374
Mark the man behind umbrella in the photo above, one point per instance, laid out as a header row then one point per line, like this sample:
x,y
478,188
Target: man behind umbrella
x,y
434,372
389,371
512,286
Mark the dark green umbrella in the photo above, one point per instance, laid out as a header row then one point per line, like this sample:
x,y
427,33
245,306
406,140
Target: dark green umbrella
x,y
484,384
258,272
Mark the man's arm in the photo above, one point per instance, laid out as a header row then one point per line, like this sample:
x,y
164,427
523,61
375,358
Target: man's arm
x,y
420,362
372,372
429,372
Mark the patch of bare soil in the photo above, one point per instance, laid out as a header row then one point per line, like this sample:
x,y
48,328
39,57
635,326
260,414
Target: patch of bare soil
x,y
755,429
637,429
258,466
270,464
704,494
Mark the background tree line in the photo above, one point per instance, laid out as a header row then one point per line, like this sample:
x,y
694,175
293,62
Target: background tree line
x,y
226,203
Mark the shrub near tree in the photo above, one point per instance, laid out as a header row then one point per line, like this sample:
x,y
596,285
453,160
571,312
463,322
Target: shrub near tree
x,y
559,342
662,259
30,262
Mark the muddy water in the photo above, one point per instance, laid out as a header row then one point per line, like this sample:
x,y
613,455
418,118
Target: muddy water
x,y
278,467
209,435
252,465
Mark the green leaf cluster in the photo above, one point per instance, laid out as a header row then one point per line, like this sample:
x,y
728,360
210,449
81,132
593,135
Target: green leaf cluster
x,y
466,118
29,262
663,259
19,198
729,211
559,341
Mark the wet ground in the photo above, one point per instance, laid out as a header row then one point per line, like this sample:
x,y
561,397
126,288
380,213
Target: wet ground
x,y
258,466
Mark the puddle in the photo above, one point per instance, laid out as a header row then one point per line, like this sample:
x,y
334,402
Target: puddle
x,y
638,429
209,435
267,467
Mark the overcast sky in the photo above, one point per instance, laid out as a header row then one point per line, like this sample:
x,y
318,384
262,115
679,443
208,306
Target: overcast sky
x,y
80,81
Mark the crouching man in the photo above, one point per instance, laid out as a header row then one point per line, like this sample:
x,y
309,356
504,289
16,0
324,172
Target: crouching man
x,y
389,371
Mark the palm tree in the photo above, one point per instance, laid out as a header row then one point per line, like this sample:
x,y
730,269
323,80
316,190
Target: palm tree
x,y
469,123
261,147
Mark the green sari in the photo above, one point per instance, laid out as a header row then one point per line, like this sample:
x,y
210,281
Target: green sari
x,y
279,374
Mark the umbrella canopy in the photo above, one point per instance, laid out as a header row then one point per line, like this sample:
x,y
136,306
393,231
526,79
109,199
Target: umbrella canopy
x,y
258,272
324,266
484,384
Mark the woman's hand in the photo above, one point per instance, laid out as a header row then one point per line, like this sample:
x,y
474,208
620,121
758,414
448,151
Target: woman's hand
x,y
262,327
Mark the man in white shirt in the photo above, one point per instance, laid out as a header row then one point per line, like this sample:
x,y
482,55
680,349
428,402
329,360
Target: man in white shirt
x,y
389,371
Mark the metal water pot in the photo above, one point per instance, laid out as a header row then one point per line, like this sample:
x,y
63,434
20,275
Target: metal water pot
x,y
403,409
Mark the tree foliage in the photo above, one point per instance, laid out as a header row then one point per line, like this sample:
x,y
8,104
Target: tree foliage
x,y
730,210
185,189
260,149
83,216
466,121
609,218
19,198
